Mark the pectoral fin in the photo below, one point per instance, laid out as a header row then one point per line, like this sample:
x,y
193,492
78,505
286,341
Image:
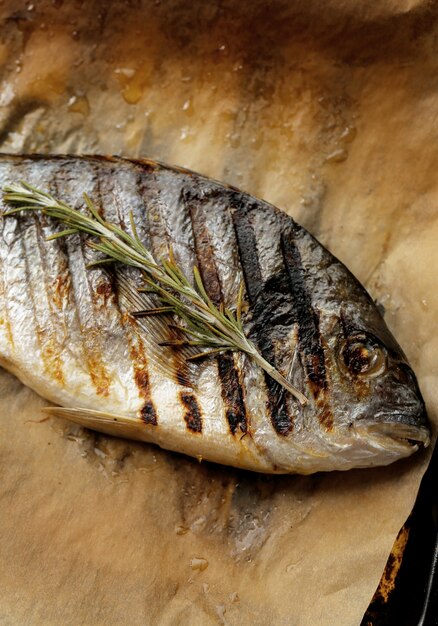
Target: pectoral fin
x,y
108,423
155,331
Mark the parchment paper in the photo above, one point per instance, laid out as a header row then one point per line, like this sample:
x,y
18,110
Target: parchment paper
x,y
329,110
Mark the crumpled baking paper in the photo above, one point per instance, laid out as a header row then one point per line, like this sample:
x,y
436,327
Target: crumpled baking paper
x,y
328,110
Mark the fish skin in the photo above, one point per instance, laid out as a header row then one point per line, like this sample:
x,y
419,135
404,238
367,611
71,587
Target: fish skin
x,y
65,330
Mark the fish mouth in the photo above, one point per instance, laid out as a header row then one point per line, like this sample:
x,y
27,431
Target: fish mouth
x,y
399,433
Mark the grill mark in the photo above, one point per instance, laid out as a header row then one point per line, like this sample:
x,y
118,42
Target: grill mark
x,y
310,342
108,289
231,390
232,394
161,233
50,349
50,360
104,291
90,336
92,344
247,249
156,233
247,246
30,231
42,308
59,288
148,412
4,316
309,336
193,415
63,286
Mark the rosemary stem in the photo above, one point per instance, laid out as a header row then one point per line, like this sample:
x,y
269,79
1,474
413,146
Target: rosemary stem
x,y
277,376
216,328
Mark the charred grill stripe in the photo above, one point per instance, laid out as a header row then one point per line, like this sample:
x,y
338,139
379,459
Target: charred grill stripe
x,y
5,324
203,250
62,248
193,415
309,336
255,287
149,414
151,228
231,390
247,248
232,394
105,185
92,343
65,175
154,234
48,350
46,331
51,349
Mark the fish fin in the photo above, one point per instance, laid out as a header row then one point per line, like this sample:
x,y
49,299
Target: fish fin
x,y
156,329
108,423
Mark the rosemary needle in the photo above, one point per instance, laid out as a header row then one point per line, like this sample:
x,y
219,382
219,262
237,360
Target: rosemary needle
x,y
207,326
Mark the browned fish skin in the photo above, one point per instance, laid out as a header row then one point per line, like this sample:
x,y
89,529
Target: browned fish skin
x,y
303,305
232,393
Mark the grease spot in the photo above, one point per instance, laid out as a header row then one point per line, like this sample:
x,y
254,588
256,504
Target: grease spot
x,y
198,564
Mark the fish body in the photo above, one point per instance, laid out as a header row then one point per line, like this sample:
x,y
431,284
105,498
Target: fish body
x,y
66,330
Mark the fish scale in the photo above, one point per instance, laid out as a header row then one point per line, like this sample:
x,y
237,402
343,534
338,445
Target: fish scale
x,y
66,330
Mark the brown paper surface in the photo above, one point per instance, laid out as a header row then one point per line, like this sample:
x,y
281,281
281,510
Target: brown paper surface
x,y
330,111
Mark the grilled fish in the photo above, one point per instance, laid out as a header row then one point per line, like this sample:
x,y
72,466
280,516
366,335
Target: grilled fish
x,y
66,330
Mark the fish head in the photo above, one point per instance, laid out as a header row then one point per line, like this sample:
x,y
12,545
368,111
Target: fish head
x,y
370,411
364,407
378,387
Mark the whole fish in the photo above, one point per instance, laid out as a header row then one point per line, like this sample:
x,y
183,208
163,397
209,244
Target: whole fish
x,y
66,330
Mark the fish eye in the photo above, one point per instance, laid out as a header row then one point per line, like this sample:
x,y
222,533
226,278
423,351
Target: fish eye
x,y
362,357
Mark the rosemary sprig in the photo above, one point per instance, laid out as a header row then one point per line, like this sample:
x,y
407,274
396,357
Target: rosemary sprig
x,y
218,329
